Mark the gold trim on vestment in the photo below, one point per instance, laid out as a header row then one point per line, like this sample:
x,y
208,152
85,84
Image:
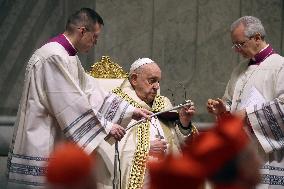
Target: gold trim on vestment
x,y
138,167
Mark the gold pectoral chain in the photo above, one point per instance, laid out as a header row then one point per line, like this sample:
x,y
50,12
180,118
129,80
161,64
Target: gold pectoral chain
x,y
138,167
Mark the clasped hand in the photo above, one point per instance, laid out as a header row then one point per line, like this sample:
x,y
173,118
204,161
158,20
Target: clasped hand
x,y
216,106
158,147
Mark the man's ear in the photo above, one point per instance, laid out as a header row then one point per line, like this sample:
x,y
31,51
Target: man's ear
x,y
257,37
82,30
133,79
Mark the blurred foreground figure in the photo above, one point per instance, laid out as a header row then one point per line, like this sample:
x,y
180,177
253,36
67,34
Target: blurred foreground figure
x,y
176,172
70,168
223,155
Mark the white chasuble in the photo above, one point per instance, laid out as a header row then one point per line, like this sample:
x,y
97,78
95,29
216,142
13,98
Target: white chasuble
x,y
59,102
136,137
260,90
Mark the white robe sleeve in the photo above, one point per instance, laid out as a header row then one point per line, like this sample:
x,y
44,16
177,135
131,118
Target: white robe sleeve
x,y
230,88
267,119
227,98
71,107
104,102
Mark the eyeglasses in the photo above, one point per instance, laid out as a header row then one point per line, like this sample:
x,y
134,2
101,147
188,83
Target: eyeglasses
x,y
241,44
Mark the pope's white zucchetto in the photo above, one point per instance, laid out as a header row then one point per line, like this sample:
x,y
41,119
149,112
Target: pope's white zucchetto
x,y
138,63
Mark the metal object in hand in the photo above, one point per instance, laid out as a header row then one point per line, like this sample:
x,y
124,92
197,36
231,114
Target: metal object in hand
x,y
186,103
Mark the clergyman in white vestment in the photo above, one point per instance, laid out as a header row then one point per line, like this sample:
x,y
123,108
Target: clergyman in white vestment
x,y
143,142
256,93
59,102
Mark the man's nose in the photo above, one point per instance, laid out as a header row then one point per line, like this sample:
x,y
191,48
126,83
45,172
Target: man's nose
x,y
156,85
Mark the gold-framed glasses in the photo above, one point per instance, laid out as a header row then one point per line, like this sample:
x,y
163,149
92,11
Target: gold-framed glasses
x,y
241,44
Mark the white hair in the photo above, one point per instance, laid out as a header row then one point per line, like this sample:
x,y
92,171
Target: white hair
x,y
252,26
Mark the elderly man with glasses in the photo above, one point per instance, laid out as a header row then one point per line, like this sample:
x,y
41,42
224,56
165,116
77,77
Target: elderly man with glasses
x,y
148,141
255,92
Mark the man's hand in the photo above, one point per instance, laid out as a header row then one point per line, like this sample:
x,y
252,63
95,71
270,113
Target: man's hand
x,y
117,131
140,113
215,107
157,147
185,114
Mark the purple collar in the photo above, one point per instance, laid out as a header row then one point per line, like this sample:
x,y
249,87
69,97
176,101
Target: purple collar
x,y
61,39
262,55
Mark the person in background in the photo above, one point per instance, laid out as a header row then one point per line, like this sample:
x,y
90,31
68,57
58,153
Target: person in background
x,y
255,92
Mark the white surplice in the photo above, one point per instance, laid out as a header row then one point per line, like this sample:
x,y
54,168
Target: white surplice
x,y
59,102
260,90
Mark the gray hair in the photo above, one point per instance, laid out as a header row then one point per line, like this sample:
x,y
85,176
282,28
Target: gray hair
x,y
252,26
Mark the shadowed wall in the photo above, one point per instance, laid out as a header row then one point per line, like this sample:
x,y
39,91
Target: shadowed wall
x,y
190,40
